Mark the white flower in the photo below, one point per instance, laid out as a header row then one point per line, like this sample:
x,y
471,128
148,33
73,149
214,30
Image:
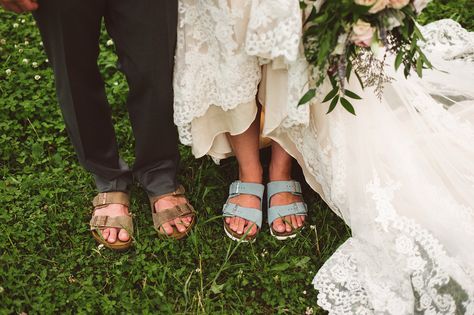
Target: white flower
x,y
46,60
27,42
3,41
41,43
304,292
25,61
420,4
23,21
20,50
115,83
35,65
2,289
100,245
37,77
15,25
309,310
198,270
312,227
8,71
362,33
110,42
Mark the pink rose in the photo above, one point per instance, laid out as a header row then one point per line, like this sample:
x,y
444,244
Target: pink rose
x,y
398,4
376,5
362,34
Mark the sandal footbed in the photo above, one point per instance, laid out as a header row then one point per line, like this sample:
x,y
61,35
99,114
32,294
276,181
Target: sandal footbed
x,y
176,234
239,236
117,245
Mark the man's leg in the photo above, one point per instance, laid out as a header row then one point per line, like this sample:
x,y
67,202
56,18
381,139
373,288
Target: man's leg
x,y
70,31
144,32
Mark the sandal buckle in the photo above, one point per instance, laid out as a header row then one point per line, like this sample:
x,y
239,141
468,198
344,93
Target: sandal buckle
x,y
103,199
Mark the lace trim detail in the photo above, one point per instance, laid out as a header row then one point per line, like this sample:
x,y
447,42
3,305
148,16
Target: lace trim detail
x,y
274,29
434,277
449,38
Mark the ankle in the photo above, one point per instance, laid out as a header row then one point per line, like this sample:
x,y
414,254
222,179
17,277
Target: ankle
x,y
279,172
251,174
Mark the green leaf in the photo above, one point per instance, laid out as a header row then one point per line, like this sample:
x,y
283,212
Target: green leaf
x,y
348,106
398,60
351,94
307,97
217,288
419,67
37,150
333,104
281,267
331,95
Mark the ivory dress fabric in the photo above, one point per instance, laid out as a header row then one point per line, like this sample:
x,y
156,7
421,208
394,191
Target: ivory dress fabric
x,y
400,173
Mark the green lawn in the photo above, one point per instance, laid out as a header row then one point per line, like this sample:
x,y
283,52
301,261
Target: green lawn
x,y
49,263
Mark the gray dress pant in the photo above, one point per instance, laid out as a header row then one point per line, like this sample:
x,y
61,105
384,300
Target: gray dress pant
x,y
144,33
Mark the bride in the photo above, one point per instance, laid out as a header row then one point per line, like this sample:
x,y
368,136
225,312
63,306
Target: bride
x,y
400,173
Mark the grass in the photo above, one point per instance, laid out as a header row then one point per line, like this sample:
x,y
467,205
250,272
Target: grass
x,y
49,263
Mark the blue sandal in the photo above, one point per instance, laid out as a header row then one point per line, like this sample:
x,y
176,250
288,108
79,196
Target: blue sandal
x,y
296,208
232,210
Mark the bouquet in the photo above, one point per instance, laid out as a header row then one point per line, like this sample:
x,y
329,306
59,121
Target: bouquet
x,y
344,37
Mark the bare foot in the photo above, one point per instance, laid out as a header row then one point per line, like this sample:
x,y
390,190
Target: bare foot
x,y
112,234
289,222
180,223
240,225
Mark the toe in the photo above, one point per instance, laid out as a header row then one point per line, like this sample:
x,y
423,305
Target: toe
x,y
233,224
123,235
105,233
278,225
240,226
180,225
299,222
186,221
166,228
294,223
112,236
227,220
288,224
251,228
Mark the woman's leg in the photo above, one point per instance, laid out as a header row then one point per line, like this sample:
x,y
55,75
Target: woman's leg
x,y
280,170
246,148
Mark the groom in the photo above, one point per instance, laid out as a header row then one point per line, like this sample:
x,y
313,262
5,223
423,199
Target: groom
x,y
144,32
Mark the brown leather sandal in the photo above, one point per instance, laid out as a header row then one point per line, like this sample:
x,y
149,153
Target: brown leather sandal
x,y
180,211
99,223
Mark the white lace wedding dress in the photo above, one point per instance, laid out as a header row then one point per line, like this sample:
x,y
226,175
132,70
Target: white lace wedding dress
x,y
400,173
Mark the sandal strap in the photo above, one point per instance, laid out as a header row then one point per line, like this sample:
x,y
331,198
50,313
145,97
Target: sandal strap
x,y
122,222
290,186
112,197
167,215
297,208
239,188
180,191
250,214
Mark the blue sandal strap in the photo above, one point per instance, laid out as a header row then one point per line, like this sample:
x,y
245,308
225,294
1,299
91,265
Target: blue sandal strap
x,y
250,214
238,188
297,208
277,187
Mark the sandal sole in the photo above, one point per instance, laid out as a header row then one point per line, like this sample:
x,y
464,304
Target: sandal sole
x,y
237,239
